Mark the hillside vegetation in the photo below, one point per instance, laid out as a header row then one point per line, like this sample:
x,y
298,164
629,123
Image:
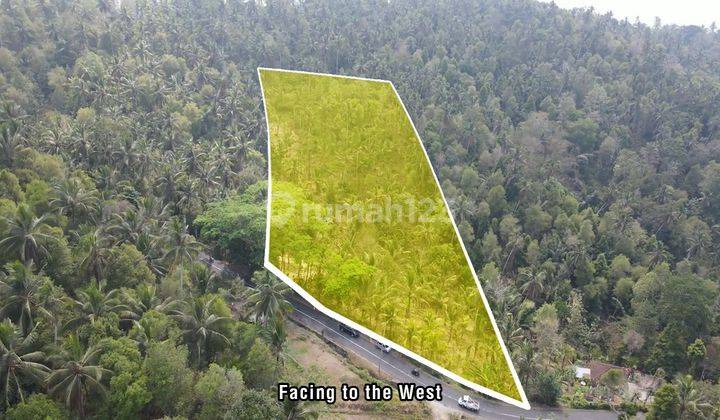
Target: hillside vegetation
x,y
581,155
359,222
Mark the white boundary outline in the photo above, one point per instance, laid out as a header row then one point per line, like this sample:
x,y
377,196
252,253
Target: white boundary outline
x,y
524,403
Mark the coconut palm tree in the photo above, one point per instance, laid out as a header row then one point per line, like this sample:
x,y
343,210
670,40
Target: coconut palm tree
x,y
192,160
77,375
74,200
20,361
92,303
203,278
199,325
94,261
168,180
532,283
54,139
691,404
189,196
26,234
146,330
223,163
525,359
410,287
389,319
128,226
300,410
10,141
464,208
182,247
239,297
268,299
128,155
145,299
20,296
151,248
152,208
275,334
657,252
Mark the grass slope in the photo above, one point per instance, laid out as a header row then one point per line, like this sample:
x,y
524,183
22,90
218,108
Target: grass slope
x,y
358,221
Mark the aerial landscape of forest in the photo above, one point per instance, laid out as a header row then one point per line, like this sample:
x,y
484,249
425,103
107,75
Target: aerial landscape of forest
x,y
579,153
358,222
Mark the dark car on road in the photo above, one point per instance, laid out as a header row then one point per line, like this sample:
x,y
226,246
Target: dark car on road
x,y
352,332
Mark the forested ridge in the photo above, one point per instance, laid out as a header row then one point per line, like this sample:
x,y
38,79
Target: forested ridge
x,y
581,156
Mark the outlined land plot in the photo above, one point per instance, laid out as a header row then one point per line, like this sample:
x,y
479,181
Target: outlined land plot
x,y
358,225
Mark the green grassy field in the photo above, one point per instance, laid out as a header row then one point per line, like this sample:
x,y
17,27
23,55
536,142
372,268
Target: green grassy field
x,y
358,221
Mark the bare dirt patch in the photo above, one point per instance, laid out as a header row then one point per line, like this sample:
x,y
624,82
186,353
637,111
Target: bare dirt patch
x,y
319,363
311,352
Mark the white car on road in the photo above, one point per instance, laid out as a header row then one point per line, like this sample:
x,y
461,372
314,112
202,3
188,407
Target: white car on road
x,y
384,347
466,402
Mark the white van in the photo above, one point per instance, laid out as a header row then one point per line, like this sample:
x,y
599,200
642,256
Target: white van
x,y
384,347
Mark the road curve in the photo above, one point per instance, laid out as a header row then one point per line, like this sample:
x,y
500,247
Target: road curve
x,y
398,367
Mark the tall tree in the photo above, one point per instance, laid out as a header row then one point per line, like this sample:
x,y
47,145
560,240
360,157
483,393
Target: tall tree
x,y
22,297
26,234
182,247
200,325
77,376
74,200
268,299
20,361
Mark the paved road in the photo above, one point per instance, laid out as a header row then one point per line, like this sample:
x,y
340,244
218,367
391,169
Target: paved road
x,y
398,367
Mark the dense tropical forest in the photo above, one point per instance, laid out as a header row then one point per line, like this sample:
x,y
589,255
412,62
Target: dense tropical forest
x,y
581,154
